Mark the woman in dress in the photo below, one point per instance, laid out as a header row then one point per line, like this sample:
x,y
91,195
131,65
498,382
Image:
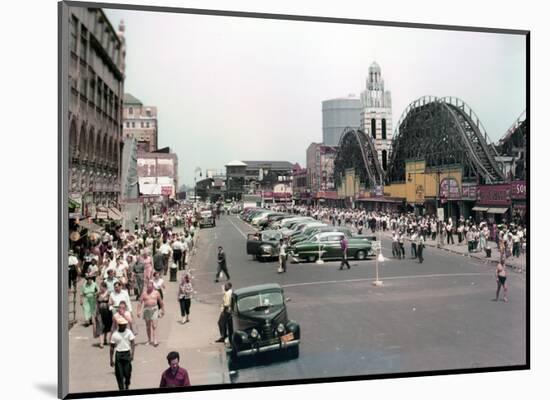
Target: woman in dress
x,y
104,315
185,292
88,300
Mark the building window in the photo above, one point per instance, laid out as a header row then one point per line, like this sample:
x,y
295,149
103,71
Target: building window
x,y
99,93
83,43
130,110
384,129
133,124
142,124
147,124
384,159
72,39
83,86
373,128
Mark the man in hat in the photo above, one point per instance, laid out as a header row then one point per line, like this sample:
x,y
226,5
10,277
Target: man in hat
x,y
122,347
222,264
73,269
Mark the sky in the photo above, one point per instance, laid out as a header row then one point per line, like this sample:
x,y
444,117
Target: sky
x,y
230,88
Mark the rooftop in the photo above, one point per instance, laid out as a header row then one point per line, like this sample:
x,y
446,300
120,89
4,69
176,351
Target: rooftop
x,y
131,100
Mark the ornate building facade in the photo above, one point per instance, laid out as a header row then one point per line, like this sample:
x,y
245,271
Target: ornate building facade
x,y
140,123
96,88
376,116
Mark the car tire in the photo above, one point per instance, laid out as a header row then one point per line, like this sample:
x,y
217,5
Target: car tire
x,y
361,255
294,352
311,258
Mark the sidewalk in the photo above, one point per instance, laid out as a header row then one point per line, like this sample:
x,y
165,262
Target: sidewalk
x,y
89,368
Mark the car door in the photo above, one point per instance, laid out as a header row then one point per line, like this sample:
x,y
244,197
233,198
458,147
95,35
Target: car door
x,y
252,244
332,247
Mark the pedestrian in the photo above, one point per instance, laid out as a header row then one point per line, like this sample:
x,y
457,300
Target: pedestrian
x,y
222,264
414,237
88,300
110,281
420,249
73,269
158,262
401,243
166,251
104,316
149,302
395,251
225,324
449,229
282,256
139,269
124,313
344,248
158,284
500,274
119,295
122,347
185,293
177,247
174,376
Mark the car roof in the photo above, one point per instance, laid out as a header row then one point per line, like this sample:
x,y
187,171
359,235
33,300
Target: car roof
x,y
257,288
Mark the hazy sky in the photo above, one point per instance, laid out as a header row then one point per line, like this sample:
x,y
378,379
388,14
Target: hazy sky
x,y
251,89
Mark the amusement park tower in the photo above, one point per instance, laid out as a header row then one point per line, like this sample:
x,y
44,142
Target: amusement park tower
x,y
376,115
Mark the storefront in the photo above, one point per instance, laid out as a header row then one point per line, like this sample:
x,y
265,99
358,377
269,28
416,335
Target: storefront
x,y
469,198
518,190
493,203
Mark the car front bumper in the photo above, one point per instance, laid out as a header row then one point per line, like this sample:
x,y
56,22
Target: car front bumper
x,y
271,347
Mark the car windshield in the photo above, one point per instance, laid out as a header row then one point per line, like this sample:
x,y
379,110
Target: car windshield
x,y
260,302
271,236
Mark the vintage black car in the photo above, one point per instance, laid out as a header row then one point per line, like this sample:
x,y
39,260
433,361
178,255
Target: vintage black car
x,y
263,245
261,324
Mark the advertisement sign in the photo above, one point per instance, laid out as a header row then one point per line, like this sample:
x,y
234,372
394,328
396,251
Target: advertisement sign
x,y
519,190
469,191
440,214
494,195
379,190
146,167
419,197
450,189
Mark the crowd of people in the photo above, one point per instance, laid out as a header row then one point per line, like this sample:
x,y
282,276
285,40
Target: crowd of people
x,y
510,237
117,266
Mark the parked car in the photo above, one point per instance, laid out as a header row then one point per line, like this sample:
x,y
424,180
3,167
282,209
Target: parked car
x,y
312,231
270,218
328,245
264,244
206,219
261,324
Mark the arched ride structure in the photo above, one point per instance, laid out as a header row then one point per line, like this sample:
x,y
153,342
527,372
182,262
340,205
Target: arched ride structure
x,y
356,150
443,131
514,144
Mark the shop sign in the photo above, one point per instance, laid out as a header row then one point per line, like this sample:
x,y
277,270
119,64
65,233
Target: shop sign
x,y
519,190
379,190
469,191
494,195
419,197
450,189
268,195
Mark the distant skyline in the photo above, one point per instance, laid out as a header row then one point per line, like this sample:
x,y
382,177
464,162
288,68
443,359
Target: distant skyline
x,y
231,88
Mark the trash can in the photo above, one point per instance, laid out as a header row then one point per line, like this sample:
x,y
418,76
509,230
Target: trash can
x,y
488,252
174,272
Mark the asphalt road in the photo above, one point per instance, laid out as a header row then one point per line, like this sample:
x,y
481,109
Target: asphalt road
x,y
432,316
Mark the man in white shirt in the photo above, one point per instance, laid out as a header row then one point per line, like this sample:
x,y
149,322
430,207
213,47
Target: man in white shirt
x,y
165,250
225,324
119,295
122,347
73,269
177,251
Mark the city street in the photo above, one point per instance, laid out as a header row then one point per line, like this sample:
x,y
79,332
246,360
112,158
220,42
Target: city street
x,y
432,316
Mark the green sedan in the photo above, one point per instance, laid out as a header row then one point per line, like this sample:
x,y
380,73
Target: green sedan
x,y
327,245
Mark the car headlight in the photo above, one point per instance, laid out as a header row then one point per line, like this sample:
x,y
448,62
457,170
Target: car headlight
x,y
280,328
254,333
266,249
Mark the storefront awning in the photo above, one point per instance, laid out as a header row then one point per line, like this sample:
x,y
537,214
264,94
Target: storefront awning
x,y
114,214
497,210
476,208
90,226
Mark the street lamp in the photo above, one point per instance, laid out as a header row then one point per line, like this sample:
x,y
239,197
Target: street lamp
x,y
199,170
